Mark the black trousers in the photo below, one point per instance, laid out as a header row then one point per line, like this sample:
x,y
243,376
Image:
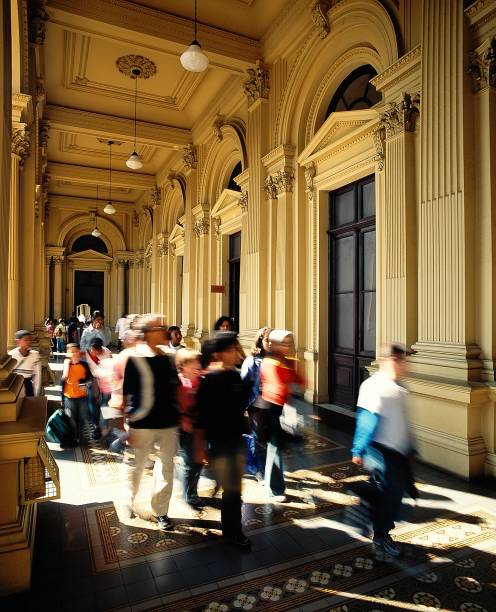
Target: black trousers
x,y
227,463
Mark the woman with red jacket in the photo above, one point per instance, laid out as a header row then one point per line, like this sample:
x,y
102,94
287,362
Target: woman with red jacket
x,y
277,376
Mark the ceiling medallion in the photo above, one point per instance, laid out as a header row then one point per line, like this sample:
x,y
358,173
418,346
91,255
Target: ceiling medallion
x,y
136,66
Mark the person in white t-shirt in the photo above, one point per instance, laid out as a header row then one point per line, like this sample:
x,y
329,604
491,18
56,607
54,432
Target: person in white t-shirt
x,y
383,442
28,363
121,327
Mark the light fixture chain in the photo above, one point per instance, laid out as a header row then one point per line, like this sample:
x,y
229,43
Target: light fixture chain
x,y
135,103
195,20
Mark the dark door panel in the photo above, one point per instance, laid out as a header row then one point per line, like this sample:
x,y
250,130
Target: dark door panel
x,y
88,289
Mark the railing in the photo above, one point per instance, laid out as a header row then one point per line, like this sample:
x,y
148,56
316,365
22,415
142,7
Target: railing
x,y
40,477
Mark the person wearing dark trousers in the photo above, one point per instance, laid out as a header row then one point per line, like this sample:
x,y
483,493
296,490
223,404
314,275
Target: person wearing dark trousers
x,y
222,400
28,363
75,378
383,444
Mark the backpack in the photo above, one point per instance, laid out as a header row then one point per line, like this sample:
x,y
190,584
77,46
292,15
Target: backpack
x,y
59,429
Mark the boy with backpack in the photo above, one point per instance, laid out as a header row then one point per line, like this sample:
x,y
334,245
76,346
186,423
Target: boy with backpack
x,y
75,376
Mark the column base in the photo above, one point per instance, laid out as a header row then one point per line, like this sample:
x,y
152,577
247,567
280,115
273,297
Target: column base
x,y
447,419
446,360
16,552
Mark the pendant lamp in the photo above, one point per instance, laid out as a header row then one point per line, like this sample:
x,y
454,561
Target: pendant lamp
x,y
193,59
109,208
96,232
134,162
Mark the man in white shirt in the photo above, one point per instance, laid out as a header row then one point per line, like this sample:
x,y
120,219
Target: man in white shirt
x,y
28,362
120,328
383,443
176,338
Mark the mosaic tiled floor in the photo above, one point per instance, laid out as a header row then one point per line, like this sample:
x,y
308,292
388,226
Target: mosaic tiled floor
x,y
451,560
309,492
102,468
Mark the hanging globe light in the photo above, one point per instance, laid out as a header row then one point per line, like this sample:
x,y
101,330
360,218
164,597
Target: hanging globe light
x,y
193,59
96,232
109,208
134,162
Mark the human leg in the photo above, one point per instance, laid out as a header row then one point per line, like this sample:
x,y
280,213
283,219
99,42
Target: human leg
x,y
163,470
274,468
228,467
190,470
141,441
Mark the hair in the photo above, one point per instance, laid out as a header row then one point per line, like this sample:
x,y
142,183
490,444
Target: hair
x,y
130,335
394,350
257,346
185,356
96,343
144,321
224,340
221,320
174,328
72,345
97,314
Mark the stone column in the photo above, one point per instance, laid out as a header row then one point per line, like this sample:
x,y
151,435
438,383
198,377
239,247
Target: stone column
x,y
188,325
48,285
256,88
120,264
132,287
58,287
201,229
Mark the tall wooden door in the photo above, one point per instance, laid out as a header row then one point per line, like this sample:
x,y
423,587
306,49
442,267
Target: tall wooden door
x,y
89,289
234,278
352,314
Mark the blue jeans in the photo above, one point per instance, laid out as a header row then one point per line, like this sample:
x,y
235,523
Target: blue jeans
x,y
60,345
274,468
389,476
191,470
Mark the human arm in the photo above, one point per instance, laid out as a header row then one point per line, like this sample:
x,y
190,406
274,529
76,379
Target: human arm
x,y
366,426
37,376
107,334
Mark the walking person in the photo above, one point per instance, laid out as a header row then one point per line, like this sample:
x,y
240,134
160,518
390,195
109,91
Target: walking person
x,y
75,378
98,358
189,368
150,390
278,375
176,338
222,400
96,329
60,333
383,443
121,326
250,374
28,363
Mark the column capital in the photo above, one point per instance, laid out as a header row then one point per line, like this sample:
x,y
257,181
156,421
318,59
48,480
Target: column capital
x,y
155,196
319,17
401,116
270,188
482,66
190,157
202,226
243,201
21,144
278,183
162,244
256,86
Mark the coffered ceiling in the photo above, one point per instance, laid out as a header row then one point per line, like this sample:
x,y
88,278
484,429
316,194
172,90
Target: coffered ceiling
x,y
89,100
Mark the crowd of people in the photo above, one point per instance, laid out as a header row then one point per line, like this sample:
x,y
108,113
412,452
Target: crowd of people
x,y
157,397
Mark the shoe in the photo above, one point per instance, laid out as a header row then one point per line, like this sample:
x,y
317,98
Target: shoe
x,y
164,523
127,512
259,477
278,499
97,433
195,502
239,540
387,546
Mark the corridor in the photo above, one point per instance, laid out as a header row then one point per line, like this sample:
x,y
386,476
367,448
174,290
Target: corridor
x,y
305,555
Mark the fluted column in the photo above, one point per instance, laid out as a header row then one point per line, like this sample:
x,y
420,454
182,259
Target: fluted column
x,y
201,230
48,285
257,140
58,302
13,241
446,321
121,287
188,324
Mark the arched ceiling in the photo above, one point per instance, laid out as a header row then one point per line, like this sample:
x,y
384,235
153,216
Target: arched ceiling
x,y
88,100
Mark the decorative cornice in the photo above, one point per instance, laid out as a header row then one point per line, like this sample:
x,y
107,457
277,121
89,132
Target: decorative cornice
x,y
126,64
190,157
319,17
256,86
243,201
481,13
37,22
482,66
21,144
401,116
394,71
217,127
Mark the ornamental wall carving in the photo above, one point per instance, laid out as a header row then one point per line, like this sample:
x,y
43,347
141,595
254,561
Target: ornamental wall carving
x,y
216,222
379,136
37,22
401,116
126,64
44,133
482,67
243,201
217,127
319,17
202,226
280,182
21,144
310,172
190,157
155,196
163,244
256,86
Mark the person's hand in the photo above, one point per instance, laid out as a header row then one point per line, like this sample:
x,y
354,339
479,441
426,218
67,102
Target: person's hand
x,y
357,460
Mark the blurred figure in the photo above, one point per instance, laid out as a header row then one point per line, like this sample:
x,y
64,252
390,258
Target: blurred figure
x,y
150,389
222,400
278,375
75,377
383,443
223,323
189,369
120,328
99,361
60,333
250,373
28,363
176,338
72,328
97,329
49,326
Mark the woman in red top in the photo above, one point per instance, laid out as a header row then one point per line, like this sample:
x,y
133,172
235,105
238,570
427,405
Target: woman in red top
x,y
278,374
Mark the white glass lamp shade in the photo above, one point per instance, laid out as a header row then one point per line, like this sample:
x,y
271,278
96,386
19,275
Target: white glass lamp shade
x,y
134,162
109,208
193,59
96,232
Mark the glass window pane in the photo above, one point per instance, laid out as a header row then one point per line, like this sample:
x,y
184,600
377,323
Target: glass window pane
x,y
357,88
345,336
368,323
368,260
368,200
345,264
344,208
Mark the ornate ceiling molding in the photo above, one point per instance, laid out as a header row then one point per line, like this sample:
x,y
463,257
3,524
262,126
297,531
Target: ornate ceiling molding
x,y
68,143
86,174
99,125
163,25
190,157
127,63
